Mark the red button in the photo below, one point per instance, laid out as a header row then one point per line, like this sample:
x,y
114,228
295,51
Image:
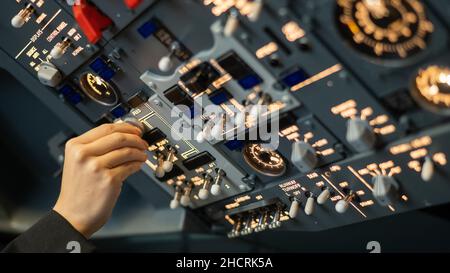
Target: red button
x,y
132,4
91,21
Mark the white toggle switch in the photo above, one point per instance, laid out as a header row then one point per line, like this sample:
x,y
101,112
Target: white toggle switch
x,y
427,172
205,134
60,49
166,62
168,163
175,202
303,156
216,187
203,193
186,198
360,134
293,210
342,206
22,17
159,171
385,189
309,206
323,196
232,23
256,8
49,75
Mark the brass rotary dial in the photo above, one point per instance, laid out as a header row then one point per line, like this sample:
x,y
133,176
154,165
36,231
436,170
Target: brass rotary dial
x,y
384,29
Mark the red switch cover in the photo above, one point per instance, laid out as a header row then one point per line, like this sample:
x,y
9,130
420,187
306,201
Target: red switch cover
x,y
132,4
91,20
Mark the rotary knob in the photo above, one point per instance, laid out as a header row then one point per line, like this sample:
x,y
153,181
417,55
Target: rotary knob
x,y
385,189
304,156
49,75
360,134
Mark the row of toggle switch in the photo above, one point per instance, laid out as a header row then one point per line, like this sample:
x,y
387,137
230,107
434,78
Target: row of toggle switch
x,y
256,221
210,186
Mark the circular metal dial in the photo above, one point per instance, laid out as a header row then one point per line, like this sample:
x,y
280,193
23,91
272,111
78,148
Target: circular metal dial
x,y
384,29
264,161
431,89
98,89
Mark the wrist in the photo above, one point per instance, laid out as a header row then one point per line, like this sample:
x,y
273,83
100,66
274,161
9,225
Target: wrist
x,y
74,222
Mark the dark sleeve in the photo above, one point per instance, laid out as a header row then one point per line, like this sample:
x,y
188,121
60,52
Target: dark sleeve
x,y
52,234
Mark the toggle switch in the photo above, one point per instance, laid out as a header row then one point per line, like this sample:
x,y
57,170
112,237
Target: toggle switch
x,y
186,198
168,162
22,17
175,202
232,23
294,208
216,187
262,221
133,4
427,172
276,219
323,196
91,20
343,205
205,133
166,62
203,193
60,48
159,171
309,206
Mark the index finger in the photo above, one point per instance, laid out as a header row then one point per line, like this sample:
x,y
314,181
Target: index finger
x,y
108,129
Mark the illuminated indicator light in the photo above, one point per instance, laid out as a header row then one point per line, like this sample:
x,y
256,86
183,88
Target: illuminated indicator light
x,y
387,164
343,106
259,197
336,198
292,31
71,32
349,113
381,119
440,158
418,153
266,50
415,165
366,203
320,184
327,152
232,206
404,198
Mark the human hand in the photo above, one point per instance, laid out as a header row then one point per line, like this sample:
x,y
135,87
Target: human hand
x,y
96,164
